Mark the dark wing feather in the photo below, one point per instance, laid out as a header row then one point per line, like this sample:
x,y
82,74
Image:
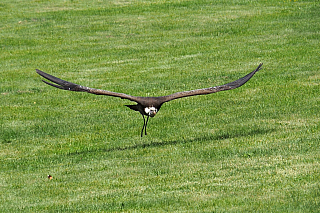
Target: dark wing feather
x,y
66,85
205,91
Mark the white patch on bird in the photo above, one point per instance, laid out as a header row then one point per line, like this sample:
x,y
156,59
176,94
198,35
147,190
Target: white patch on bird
x,y
150,110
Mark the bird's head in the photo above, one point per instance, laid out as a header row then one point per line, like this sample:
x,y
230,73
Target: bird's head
x,y
151,111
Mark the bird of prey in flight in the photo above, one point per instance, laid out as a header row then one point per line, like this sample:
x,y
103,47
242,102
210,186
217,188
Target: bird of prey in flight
x,y
147,106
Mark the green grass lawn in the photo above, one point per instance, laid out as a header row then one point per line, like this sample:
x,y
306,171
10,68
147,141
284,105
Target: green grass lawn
x,y
253,149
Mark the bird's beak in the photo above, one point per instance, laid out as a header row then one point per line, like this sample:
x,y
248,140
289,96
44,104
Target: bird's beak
x,y
153,113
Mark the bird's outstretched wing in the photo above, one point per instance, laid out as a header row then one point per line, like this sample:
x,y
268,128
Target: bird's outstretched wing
x,y
66,85
205,91
145,101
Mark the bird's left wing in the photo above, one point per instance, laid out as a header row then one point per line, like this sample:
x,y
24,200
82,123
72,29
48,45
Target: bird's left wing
x,y
205,91
66,85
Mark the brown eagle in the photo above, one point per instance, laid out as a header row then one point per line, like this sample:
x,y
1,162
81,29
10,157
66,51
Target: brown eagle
x,y
147,106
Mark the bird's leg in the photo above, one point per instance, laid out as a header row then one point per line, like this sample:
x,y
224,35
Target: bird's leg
x,y
145,127
144,124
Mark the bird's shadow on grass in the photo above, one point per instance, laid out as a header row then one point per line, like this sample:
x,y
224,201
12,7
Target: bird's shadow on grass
x,y
213,137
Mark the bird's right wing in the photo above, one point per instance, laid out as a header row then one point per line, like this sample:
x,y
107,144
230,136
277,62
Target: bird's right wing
x,y
66,85
205,91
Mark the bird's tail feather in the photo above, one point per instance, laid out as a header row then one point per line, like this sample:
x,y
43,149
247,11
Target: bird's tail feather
x,y
133,107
